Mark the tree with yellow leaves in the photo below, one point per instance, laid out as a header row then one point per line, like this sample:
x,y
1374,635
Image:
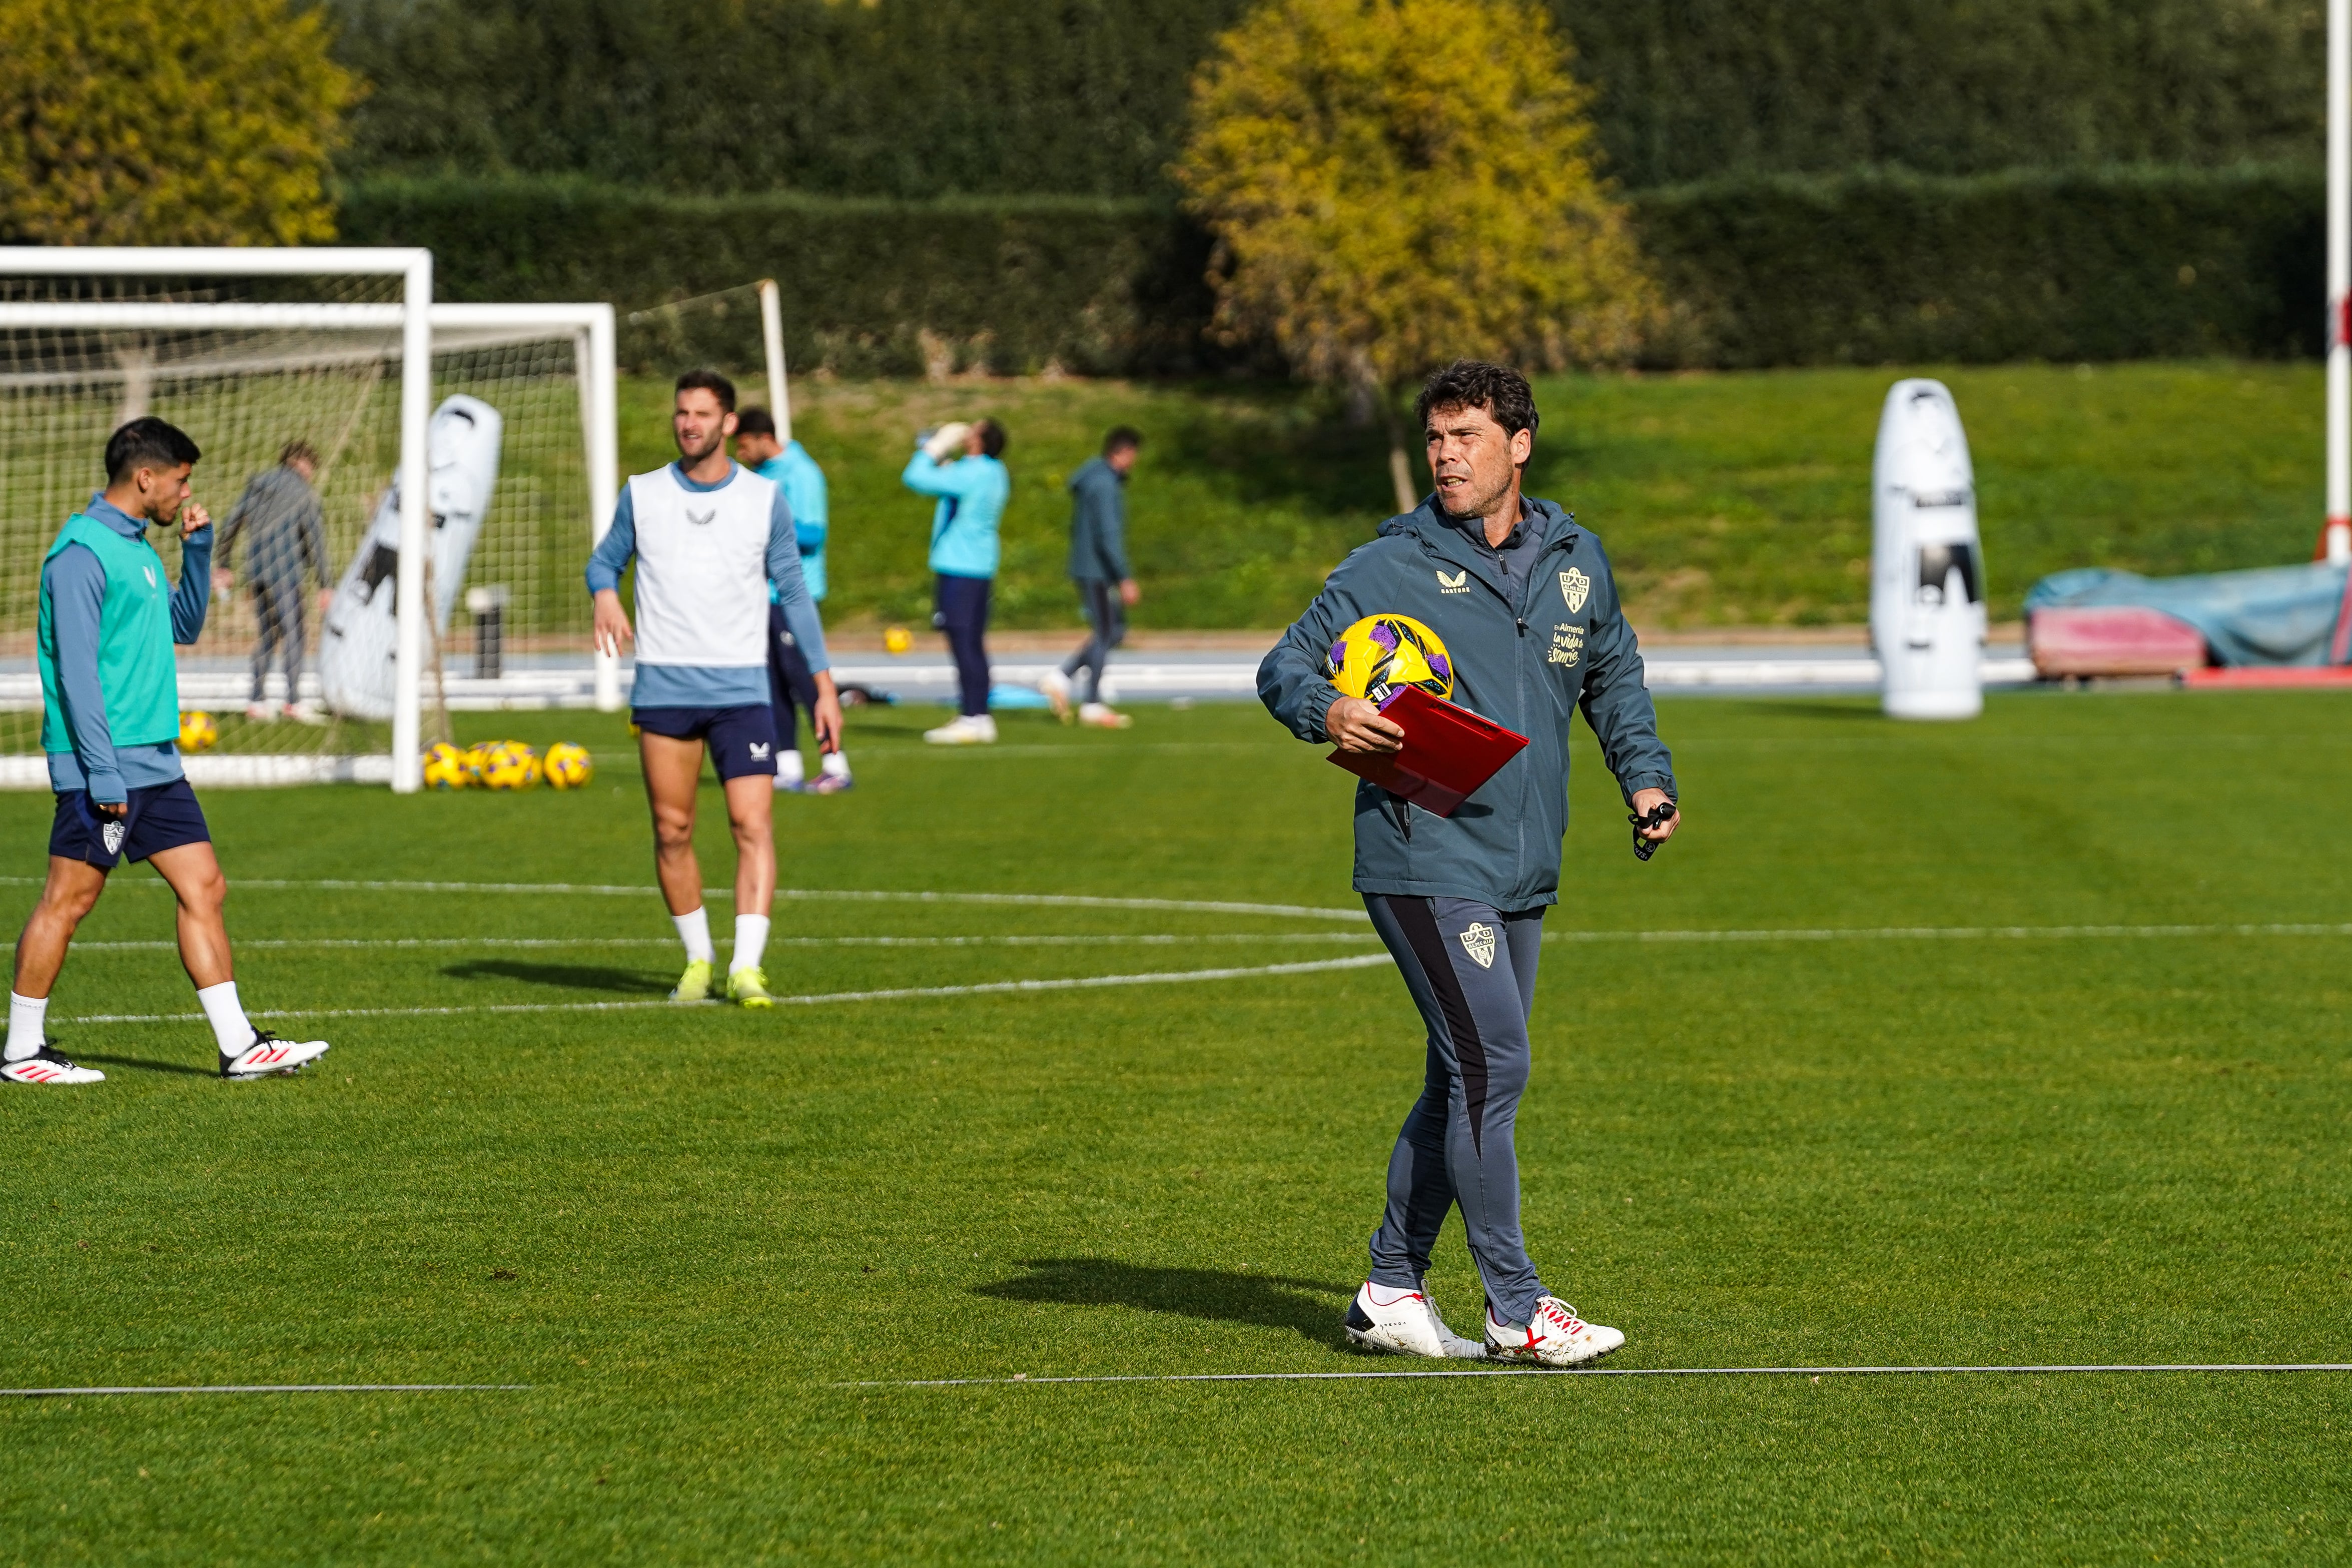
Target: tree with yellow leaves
x,y
201,123
1397,183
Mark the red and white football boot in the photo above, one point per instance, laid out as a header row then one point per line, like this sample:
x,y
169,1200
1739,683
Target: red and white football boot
x,y
1554,1336
269,1057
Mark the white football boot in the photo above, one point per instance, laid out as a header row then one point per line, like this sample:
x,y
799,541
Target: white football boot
x,y
1056,688
1405,1324
1556,1336
269,1057
1098,716
965,729
48,1066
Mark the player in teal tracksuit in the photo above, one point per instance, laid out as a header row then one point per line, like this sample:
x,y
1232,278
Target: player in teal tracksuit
x,y
111,716
1528,608
972,490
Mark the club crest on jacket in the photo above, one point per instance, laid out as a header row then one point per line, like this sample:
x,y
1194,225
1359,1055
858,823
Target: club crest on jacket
x,y
1575,587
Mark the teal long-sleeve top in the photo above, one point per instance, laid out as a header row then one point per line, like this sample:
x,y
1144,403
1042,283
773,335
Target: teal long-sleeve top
x,y
74,585
972,492
804,487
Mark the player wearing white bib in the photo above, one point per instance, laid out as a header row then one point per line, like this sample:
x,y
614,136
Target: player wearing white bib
x,y
709,537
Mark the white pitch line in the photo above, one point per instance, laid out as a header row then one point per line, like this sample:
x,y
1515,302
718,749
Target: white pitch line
x,y
1084,983
610,889
276,1388
1025,1381
1948,933
246,944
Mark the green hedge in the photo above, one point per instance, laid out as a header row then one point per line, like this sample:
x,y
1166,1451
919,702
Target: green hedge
x,y
1011,283
2110,264
1863,268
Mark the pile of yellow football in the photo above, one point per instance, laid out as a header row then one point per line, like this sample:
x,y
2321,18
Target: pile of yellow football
x,y
507,765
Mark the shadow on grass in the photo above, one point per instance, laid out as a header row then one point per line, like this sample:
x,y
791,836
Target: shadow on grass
x,y
1311,1307
141,1064
568,976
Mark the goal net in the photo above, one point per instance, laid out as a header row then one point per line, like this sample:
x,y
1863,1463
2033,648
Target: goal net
x,y
519,413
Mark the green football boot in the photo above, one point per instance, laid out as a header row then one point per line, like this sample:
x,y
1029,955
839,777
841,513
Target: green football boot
x,y
694,985
749,988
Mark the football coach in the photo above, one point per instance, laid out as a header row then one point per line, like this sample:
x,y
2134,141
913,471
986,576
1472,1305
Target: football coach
x,y
1524,602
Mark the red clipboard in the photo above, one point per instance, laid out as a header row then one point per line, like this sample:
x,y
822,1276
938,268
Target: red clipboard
x,y
1449,752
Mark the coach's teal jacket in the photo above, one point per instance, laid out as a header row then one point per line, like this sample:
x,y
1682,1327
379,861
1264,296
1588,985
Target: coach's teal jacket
x,y
1528,667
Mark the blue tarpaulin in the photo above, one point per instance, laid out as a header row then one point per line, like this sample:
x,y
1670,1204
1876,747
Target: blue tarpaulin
x,y
2273,614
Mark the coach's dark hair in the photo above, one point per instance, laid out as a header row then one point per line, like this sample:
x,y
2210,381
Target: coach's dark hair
x,y
1125,437
711,382
147,443
991,437
1498,389
755,421
298,451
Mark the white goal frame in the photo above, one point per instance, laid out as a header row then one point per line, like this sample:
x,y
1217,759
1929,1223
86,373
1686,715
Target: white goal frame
x,y
418,317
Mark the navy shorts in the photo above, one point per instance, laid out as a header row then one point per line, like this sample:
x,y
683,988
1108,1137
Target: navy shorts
x,y
742,740
161,816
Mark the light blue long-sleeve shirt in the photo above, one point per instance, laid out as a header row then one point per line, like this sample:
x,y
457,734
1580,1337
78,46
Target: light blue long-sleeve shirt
x,y
75,586
803,486
973,492
708,686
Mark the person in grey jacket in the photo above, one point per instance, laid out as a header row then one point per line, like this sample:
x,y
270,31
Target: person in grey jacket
x,y
279,520
1106,585
1524,600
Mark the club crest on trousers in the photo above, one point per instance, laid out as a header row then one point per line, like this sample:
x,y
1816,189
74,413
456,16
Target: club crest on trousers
x,y
1575,587
1478,942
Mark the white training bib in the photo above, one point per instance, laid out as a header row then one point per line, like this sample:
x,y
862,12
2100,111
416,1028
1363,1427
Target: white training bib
x,y
702,570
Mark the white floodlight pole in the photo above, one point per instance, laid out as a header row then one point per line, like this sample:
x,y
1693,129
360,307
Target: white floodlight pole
x,y
411,614
771,339
2339,282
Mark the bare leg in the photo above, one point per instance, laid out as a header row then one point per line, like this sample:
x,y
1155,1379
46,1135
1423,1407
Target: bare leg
x,y
195,876
673,774
66,897
751,802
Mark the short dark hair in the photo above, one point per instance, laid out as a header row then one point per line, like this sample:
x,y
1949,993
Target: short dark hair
x,y
1122,436
298,451
991,437
1498,389
711,382
755,421
147,443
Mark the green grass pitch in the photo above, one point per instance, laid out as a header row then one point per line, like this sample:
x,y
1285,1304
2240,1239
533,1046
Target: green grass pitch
x,y
708,1241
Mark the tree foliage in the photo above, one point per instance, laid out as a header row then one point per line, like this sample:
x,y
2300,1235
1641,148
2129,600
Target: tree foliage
x,y
123,122
1395,183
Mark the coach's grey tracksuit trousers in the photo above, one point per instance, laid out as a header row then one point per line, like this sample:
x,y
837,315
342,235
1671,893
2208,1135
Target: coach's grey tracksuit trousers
x,y
1472,972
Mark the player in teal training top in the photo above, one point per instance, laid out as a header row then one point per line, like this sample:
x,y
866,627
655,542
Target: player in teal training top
x,y
110,719
791,686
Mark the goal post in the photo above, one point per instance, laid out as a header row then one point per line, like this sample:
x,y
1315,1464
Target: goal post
x,y
244,345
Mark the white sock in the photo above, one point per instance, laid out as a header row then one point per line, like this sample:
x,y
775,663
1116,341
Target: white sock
x,y
835,764
750,942
230,1026
694,930
788,766
26,1017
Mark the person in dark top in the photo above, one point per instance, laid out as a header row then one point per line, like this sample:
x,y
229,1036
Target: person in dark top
x,y
1107,587
280,517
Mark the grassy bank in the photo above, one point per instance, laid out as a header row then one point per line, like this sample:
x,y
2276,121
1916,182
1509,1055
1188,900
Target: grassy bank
x,y
1725,500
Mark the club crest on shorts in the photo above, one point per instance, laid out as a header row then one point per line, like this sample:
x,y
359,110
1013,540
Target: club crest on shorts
x,y
1575,587
111,834
1478,942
